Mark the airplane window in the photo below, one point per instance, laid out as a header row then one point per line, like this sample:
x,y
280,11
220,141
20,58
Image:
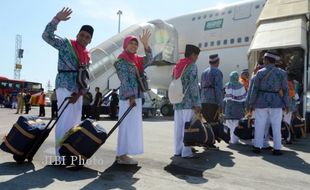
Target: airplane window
x,y
246,39
230,11
216,14
193,18
205,16
212,43
199,45
239,40
232,41
225,42
218,42
211,15
199,17
257,6
206,44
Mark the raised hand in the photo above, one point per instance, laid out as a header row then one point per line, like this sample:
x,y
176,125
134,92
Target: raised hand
x,y
144,38
64,14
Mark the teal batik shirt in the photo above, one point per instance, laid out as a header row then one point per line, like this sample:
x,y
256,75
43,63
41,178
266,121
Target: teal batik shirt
x,y
190,88
66,62
126,73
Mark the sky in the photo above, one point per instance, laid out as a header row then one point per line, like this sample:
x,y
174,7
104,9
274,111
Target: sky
x,y
29,18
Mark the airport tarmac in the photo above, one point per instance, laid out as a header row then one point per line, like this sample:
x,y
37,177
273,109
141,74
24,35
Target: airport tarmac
x,y
230,167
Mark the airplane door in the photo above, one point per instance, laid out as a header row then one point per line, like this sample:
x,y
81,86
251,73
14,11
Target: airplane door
x,y
242,11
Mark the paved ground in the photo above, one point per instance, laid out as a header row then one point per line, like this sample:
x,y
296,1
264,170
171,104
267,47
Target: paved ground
x,y
231,167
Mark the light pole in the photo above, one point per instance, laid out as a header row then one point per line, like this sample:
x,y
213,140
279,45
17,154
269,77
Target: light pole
x,y
119,12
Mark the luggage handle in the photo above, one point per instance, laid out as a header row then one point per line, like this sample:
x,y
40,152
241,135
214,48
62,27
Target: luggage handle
x,y
39,141
62,111
120,120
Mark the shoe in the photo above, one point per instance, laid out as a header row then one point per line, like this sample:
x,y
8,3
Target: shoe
x,y
267,148
194,150
126,160
211,147
218,139
277,152
177,155
256,150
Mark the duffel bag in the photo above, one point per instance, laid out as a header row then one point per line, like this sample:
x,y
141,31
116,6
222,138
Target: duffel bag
x,y
245,129
221,131
285,131
198,133
299,127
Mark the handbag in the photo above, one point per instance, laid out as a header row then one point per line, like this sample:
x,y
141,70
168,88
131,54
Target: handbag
x,y
83,76
143,82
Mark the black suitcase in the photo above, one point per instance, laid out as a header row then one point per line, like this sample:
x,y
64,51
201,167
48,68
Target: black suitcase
x,y
198,133
27,135
82,141
245,129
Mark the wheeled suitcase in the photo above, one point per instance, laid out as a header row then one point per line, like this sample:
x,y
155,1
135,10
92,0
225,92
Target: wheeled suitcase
x,y
27,135
82,141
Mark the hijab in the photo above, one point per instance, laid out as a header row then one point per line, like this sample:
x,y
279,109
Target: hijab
x,y
131,57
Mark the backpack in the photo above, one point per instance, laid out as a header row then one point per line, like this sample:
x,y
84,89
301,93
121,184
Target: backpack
x,y
175,90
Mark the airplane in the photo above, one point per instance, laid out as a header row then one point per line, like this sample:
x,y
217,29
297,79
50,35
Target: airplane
x,y
226,31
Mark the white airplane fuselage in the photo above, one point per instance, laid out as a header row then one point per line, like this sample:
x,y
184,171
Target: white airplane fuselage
x,y
226,31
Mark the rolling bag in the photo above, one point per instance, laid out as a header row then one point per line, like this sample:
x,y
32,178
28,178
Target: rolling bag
x,y
27,135
82,141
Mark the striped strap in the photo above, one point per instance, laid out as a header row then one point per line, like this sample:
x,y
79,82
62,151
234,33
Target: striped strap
x,y
22,131
74,151
90,135
14,150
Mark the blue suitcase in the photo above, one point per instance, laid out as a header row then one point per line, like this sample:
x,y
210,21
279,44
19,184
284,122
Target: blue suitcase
x,y
27,135
82,141
22,135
